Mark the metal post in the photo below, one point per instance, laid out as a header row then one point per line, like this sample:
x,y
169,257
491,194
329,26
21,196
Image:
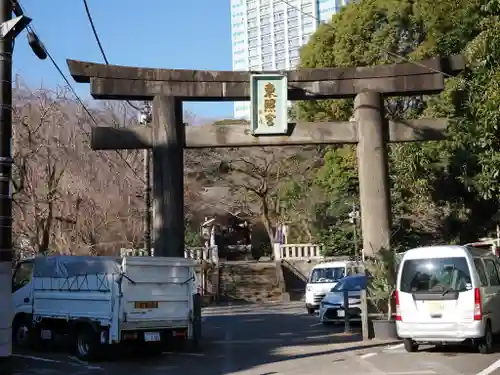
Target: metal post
x,y
347,323
147,201
6,254
364,315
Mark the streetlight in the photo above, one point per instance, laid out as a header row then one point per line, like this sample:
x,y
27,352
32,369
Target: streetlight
x,y
353,218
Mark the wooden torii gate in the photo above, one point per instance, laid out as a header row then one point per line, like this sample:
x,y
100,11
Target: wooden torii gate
x,y
167,137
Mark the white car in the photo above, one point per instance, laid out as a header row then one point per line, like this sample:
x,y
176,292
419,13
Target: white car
x,y
324,277
332,309
448,294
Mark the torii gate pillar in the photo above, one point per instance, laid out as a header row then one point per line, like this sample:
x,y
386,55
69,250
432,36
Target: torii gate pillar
x,y
373,172
168,177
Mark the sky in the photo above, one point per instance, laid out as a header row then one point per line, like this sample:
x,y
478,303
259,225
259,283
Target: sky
x,y
177,34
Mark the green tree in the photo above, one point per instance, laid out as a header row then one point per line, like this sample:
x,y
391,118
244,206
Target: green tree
x,y
434,198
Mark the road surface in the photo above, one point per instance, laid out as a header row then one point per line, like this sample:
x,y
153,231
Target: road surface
x,y
278,339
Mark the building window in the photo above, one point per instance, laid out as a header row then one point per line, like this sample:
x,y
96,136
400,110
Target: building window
x,y
293,23
307,9
281,64
255,67
293,32
251,4
279,36
279,26
253,33
293,53
264,9
267,48
252,13
266,39
265,20
292,13
265,29
305,39
267,58
280,55
253,52
267,67
294,62
252,22
279,16
279,46
295,42
253,42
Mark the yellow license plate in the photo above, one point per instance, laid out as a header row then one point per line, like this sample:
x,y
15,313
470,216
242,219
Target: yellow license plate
x,y
434,307
146,305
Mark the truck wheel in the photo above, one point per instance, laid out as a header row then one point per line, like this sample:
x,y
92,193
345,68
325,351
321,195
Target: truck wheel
x,y
87,345
20,332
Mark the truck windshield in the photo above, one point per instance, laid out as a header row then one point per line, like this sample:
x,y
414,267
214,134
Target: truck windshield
x,y
436,275
327,275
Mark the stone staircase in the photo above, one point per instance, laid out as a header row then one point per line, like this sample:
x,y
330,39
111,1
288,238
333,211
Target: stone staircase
x,y
250,282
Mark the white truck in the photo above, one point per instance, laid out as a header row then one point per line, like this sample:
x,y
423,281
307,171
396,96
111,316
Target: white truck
x,y
96,302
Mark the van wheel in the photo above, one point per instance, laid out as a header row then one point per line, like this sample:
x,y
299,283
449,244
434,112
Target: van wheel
x,y
485,345
410,345
310,310
87,344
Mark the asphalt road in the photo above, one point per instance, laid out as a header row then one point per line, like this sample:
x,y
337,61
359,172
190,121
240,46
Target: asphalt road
x,y
263,340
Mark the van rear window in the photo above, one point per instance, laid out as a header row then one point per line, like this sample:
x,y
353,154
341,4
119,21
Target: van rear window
x,y
435,275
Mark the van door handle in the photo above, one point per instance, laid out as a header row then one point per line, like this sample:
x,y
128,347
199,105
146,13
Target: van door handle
x,y
26,300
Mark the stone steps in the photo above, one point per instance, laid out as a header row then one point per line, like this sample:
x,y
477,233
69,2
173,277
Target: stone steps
x,y
251,282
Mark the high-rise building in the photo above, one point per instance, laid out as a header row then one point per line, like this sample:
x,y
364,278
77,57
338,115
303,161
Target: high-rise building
x,y
267,34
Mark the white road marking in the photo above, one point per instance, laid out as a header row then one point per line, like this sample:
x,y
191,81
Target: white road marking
x,y
368,355
394,347
83,363
185,353
229,341
315,324
418,372
48,360
41,359
488,370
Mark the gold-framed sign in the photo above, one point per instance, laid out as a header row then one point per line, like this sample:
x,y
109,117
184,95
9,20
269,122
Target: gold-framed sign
x,y
268,104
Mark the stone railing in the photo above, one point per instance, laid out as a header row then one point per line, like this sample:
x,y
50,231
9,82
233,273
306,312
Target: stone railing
x,y
210,254
197,253
297,251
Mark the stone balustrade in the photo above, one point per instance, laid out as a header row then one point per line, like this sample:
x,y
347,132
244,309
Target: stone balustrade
x,y
297,251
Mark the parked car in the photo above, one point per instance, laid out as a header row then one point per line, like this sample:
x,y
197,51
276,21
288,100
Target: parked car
x,y
324,277
332,307
448,294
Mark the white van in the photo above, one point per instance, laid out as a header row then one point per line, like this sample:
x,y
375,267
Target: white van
x,y
448,294
324,277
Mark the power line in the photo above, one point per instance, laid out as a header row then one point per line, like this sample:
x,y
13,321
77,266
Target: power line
x,y
80,101
98,40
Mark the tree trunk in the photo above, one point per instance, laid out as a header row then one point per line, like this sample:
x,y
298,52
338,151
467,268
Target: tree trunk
x,y
266,220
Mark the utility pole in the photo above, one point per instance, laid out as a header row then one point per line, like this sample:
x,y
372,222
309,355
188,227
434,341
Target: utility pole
x,y
145,118
147,201
9,30
353,218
